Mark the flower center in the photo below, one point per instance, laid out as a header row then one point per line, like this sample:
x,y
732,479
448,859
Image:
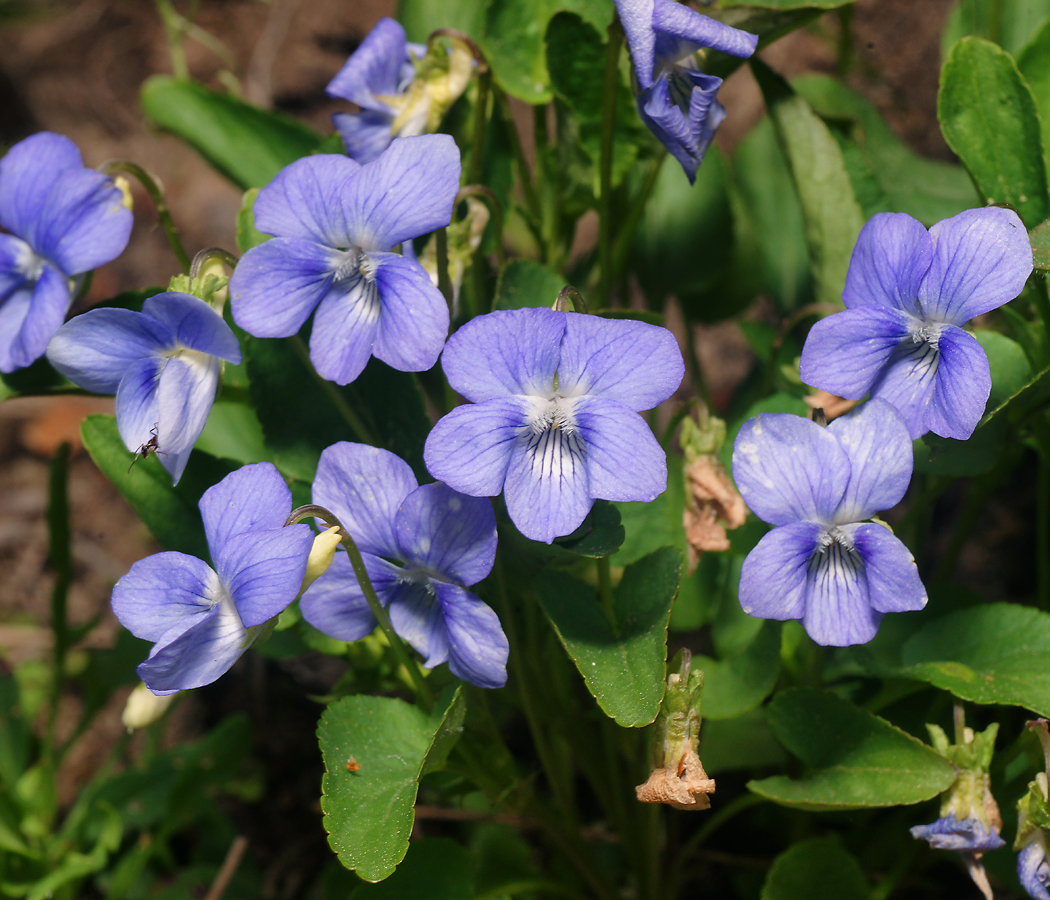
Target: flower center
x,y
923,331
28,263
354,264
834,556
552,438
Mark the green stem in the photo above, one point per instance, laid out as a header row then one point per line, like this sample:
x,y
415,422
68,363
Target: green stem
x,y
60,561
174,25
569,294
629,226
495,207
477,147
152,186
845,43
338,400
610,83
423,693
528,189
1042,303
979,490
1042,522
208,254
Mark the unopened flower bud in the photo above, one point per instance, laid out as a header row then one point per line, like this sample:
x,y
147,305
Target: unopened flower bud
x,y
125,189
144,707
678,777
321,555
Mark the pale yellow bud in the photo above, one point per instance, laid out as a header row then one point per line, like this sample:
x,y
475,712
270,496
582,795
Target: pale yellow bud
x,y
125,189
321,555
144,707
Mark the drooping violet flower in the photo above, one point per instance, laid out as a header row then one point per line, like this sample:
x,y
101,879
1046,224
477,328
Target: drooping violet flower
x,y
64,220
822,563
554,415
335,223
400,89
423,547
1033,870
202,619
162,363
677,102
1033,812
964,835
908,292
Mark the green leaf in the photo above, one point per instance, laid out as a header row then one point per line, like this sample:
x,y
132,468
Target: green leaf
x,y
923,188
624,670
576,63
368,813
740,683
819,867
247,144
1010,23
1040,238
233,432
1033,62
1010,368
524,282
37,378
421,17
300,412
435,869
832,216
989,118
248,235
743,743
855,759
513,44
770,202
993,653
169,512
601,533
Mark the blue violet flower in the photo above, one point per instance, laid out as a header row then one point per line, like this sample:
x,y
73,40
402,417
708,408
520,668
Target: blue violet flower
x,y
64,220
908,292
335,223
965,835
554,415
423,546
676,101
821,563
162,363
1033,870
202,619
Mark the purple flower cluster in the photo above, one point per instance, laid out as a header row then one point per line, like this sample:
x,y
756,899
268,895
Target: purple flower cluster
x,y
64,220
676,101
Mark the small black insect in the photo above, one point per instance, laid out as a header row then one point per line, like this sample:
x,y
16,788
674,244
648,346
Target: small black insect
x,y
149,447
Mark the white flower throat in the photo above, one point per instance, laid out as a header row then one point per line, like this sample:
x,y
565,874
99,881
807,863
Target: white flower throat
x,y
551,435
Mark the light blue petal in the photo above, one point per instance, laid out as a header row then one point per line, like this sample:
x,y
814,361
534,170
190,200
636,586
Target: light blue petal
x,y
845,352
907,381
345,328
789,469
469,449
365,134
96,349
185,394
892,255
27,173
447,533
893,578
414,320
477,646
505,352
82,223
633,363
1033,871
838,606
194,324
263,570
773,578
253,498
43,316
13,310
685,24
636,16
962,386
373,68
547,489
335,603
164,592
138,412
15,257
406,192
687,137
878,447
417,618
198,656
624,461
277,284
364,486
304,200
981,260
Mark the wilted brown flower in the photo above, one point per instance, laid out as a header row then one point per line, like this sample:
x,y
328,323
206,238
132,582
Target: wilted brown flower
x,y
712,506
